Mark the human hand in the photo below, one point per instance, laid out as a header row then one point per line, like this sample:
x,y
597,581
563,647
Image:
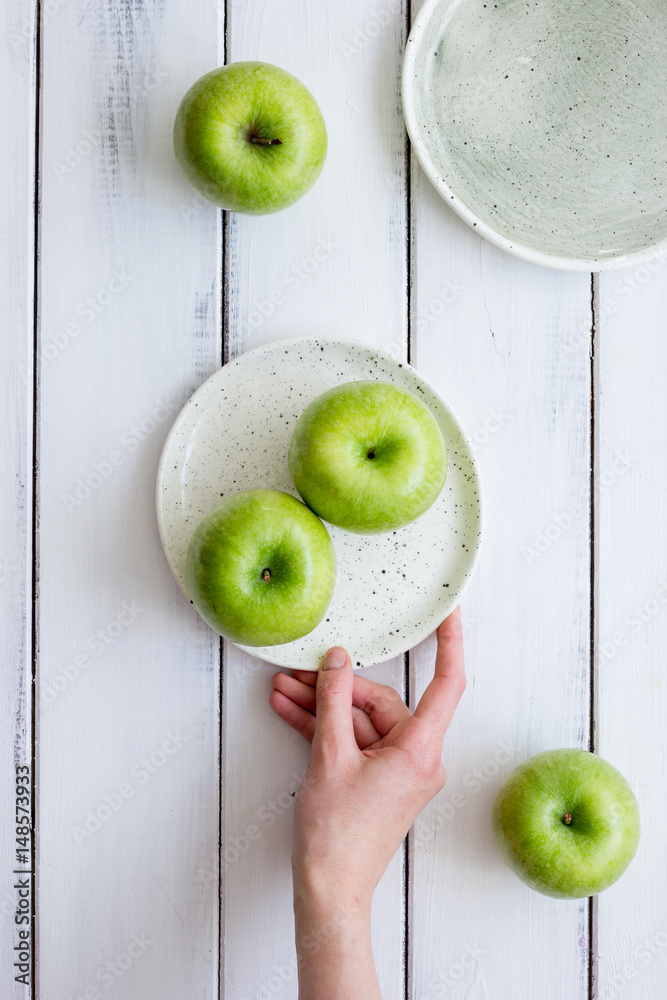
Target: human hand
x,y
374,765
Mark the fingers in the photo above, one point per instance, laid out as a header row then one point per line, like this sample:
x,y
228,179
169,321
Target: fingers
x,y
334,733
306,676
291,713
376,709
303,694
439,701
383,704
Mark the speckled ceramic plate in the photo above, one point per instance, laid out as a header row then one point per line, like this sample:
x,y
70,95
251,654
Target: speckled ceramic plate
x,y
543,122
393,589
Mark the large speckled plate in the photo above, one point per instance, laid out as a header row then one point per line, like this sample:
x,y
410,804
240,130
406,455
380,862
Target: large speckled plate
x,y
543,122
393,589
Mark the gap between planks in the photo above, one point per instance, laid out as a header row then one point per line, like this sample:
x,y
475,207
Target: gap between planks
x,y
408,680
224,358
593,679
34,533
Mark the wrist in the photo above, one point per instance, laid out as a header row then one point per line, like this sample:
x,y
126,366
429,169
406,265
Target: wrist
x,y
319,893
334,919
330,922
333,942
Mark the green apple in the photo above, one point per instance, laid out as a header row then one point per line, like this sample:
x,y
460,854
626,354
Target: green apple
x,y
261,568
250,137
567,823
368,456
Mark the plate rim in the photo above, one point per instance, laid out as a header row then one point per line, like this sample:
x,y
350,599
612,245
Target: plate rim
x,y
344,343
521,250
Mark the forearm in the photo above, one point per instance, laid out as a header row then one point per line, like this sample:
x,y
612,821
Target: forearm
x,y
333,943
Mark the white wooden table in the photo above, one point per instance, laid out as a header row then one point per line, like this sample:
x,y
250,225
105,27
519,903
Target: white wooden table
x,y
163,785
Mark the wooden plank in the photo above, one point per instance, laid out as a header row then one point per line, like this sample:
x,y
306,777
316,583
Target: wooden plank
x,y
129,675
507,346
17,134
332,265
632,624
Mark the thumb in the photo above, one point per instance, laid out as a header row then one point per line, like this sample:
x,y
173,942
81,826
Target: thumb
x,y
333,695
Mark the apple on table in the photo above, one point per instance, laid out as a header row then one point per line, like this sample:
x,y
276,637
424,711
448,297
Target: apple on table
x,y
567,823
250,137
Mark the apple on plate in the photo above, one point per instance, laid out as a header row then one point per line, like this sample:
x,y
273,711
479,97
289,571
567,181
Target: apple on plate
x,y
250,137
567,823
368,456
261,568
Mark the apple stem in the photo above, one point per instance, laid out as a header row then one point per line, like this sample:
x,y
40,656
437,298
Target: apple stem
x,y
258,141
567,818
266,575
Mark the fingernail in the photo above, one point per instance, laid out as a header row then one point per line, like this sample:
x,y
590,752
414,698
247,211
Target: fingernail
x,y
334,659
